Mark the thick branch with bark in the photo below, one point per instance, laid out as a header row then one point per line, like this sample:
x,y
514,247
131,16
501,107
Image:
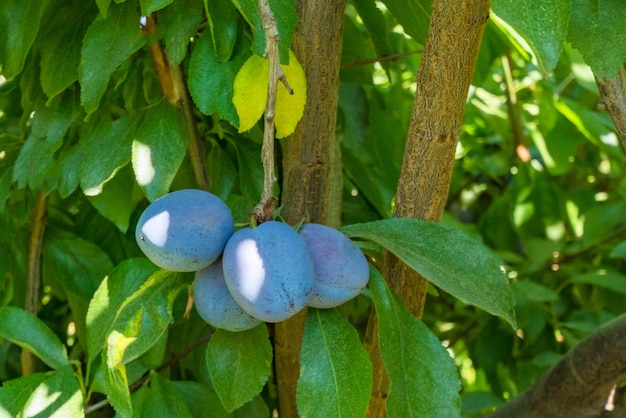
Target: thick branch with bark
x,y
580,384
311,164
613,99
447,66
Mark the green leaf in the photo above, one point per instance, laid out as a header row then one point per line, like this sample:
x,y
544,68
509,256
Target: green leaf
x,y
125,280
150,6
19,25
116,389
543,23
106,151
163,400
596,30
606,279
250,169
178,22
61,45
286,20
223,25
423,379
29,332
118,199
334,367
239,363
211,81
159,149
108,42
57,397
49,125
15,393
534,291
450,259
413,15
201,399
374,22
143,317
77,265
619,251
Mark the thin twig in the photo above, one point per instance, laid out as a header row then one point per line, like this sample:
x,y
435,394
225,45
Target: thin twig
x,y
33,280
264,210
384,58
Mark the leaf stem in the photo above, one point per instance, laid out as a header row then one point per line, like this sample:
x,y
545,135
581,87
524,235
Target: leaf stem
x,y
264,210
33,279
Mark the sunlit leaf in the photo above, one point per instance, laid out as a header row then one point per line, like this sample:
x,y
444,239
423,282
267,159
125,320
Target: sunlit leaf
x,y
543,23
447,257
250,95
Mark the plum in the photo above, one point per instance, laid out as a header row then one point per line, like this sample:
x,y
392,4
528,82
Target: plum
x,y
214,302
341,269
184,230
269,271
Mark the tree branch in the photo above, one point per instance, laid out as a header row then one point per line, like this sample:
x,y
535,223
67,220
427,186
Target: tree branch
x,y
312,180
33,279
613,99
447,66
579,385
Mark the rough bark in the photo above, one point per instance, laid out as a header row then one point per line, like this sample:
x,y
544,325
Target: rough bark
x,y
448,62
579,385
311,165
613,99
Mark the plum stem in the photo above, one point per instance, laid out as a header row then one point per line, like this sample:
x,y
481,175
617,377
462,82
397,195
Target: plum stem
x,y
265,209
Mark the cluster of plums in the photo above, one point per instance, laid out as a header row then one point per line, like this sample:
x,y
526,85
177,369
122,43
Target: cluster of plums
x,y
267,273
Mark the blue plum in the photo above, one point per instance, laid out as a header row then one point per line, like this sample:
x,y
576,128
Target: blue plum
x,y
184,230
214,302
269,271
341,269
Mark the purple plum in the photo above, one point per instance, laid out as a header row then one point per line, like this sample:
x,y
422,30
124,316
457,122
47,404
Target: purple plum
x,y
214,302
341,269
269,271
184,230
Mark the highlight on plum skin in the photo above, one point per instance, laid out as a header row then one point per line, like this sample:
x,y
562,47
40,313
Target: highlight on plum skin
x,y
215,304
185,230
268,271
341,269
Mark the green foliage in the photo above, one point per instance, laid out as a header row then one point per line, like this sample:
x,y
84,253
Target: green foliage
x,y
239,363
532,245
433,250
28,331
422,376
334,367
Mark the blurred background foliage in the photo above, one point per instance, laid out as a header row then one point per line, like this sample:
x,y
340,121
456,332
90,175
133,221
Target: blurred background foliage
x,y
538,178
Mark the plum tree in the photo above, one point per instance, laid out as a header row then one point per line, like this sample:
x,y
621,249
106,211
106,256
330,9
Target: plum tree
x,y
185,230
269,271
341,269
215,304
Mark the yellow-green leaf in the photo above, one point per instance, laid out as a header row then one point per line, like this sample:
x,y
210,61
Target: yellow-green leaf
x,y
290,107
250,95
250,91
